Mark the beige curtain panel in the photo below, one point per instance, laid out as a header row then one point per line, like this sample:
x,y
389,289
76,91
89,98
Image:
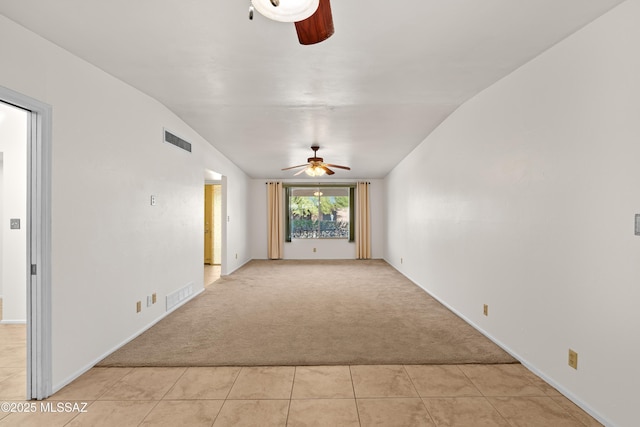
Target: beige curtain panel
x,y
275,234
363,221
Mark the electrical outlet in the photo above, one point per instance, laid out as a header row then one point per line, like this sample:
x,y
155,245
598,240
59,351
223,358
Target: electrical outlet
x,y
138,306
485,310
573,359
236,256
153,200
149,301
154,298
401,260
314,249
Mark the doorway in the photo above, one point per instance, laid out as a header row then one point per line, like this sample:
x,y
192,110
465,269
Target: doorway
x,y
32,227
212,232
14,136
13,214
214,226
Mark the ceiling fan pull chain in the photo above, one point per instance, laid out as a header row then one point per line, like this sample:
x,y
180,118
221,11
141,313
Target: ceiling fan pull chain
x,y
250,10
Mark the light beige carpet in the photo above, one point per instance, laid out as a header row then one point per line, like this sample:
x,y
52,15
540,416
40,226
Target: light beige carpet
x,y
310,313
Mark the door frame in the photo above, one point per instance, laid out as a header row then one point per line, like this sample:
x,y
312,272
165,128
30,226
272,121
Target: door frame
x,y
38,268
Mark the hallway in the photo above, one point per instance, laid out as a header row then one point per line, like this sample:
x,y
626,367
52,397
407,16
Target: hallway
x,y
211,274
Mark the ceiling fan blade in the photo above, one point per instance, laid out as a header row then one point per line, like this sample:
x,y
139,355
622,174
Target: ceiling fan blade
x,y
327,170
299,172
293,167
318,27
338,166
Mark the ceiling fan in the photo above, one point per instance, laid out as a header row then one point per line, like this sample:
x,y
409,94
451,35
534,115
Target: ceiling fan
x,y
316,165
318,27
313,19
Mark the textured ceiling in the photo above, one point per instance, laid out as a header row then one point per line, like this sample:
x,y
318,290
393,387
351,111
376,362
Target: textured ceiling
x,y
368,95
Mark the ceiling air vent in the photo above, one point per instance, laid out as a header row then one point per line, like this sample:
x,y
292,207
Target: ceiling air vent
x,y
177,141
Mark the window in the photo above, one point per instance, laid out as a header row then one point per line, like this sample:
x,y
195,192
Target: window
x,y
319,213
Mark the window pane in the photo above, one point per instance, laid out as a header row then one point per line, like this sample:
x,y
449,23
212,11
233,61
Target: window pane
x,y
319,213
304,216
334,222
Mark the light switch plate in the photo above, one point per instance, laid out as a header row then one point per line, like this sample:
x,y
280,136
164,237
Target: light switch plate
x,y
15,223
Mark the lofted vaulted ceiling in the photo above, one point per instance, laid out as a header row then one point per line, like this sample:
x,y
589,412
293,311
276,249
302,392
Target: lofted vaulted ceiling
x,y
368,95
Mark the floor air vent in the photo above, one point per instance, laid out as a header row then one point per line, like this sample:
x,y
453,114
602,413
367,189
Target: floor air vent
x,y
177,141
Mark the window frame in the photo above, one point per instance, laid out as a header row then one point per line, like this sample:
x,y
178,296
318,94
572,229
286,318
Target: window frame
x,y
352,215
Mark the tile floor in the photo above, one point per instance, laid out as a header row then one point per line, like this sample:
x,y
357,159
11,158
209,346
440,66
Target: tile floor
x,y
400,395
452,395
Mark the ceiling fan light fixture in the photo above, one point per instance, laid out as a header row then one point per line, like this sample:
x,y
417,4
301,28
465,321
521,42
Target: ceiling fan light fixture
x,y
315,171
315,165
286,10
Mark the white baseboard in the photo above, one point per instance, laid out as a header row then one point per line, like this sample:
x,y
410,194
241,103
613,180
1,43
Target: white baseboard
x,y
589,410
68,380
13,322
239,267
595,414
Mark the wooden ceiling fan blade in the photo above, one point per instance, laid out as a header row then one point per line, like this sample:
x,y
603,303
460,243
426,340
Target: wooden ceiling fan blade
x,y
338,166
327,170
316,167
293,167
318,27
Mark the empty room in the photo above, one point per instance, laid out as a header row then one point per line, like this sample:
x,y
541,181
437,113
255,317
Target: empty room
x,y
304,212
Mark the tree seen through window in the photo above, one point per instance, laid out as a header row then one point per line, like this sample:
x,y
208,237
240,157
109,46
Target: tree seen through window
x,y
319,213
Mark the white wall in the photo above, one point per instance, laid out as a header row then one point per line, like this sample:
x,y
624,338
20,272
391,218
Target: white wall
x,y
1,217
325,248
524,199
110,247
237,238
13,145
